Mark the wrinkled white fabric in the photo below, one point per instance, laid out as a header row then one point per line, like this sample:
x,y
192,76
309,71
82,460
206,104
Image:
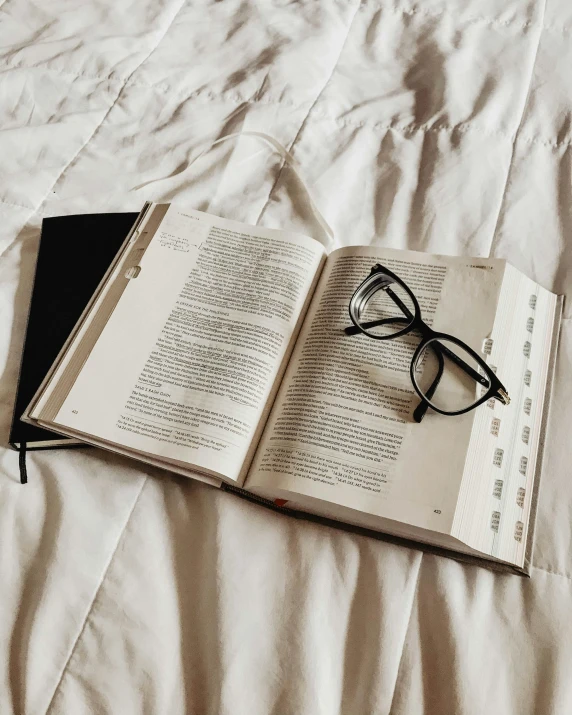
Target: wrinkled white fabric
x,y
289,160
439,126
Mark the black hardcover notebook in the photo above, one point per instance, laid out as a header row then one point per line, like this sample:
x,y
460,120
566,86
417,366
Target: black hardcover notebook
x,y
74,254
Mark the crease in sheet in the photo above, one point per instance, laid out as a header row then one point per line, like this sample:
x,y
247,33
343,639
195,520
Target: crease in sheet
x,y
94,599
495,233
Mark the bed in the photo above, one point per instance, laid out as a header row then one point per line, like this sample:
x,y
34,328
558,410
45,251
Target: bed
x,y
438,126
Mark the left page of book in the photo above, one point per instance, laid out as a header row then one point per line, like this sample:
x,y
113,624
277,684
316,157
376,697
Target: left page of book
x,y
179,357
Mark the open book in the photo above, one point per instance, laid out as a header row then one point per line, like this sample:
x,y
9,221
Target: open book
x,y
217,350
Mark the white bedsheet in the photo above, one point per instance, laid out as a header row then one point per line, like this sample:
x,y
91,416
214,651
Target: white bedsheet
x,y
440,126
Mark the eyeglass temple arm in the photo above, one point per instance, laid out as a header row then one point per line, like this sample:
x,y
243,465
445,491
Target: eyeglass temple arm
x,y
353,330
477,377
439,351
423,406
441,348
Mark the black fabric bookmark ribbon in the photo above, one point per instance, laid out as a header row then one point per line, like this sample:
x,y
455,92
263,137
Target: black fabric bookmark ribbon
x,y
22,464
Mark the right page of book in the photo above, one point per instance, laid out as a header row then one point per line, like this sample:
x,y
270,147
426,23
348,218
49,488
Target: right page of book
x,y
342,429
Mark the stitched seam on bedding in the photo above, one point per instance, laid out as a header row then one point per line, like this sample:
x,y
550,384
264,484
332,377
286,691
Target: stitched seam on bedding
x,y
204,93
112,105
167,89
106,114
412,128
495,234
11,243
561,30
546,142
65,73
405,632
211,96
96,594
164,89
17,206
552,573
303,123
461,128
416,10
492,21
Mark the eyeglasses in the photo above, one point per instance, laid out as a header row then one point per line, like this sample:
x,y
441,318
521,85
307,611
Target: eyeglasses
x,y
447,374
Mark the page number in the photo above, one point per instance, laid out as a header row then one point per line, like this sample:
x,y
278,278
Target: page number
x,y
74,412
436,511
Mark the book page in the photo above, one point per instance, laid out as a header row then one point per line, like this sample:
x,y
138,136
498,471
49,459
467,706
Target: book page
x,y
185,364
496,496
341,429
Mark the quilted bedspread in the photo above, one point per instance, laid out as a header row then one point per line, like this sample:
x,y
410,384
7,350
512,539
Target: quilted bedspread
x,y
430,125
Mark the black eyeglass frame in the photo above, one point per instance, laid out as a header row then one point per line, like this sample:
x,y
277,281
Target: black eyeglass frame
x,y
496,389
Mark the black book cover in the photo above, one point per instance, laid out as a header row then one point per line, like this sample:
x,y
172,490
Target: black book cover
x,y
74,254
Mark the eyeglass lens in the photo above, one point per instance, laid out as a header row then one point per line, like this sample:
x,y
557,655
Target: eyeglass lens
x,y
386,307
448,376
